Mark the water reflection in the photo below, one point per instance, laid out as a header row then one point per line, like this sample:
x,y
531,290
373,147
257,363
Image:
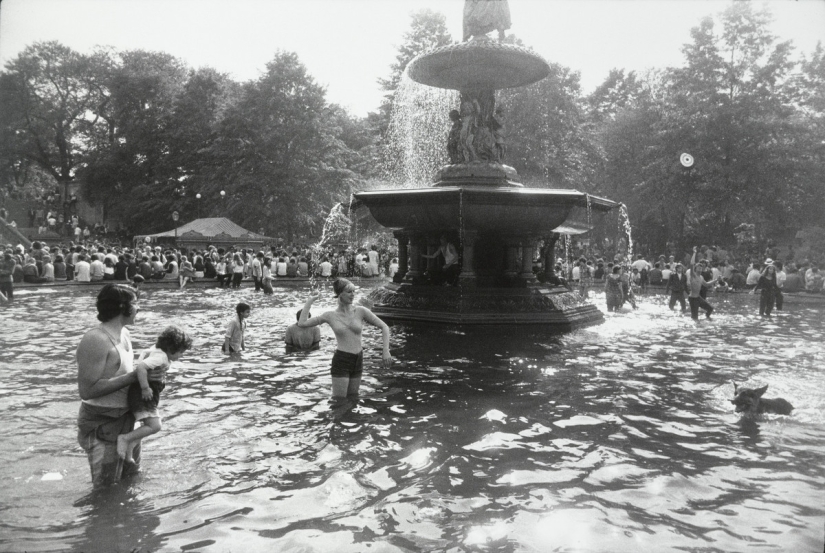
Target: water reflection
x,y
614,438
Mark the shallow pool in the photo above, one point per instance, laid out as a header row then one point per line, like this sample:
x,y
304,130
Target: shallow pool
x,y
615,438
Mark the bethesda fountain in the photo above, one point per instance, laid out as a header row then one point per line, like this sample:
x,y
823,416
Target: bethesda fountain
x,y
477,203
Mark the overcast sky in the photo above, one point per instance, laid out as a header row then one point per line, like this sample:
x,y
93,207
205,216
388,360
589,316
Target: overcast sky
x,y
347,45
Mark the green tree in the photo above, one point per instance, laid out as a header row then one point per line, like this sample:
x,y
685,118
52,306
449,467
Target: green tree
x,y
548,141
280,152
733,107
49,95
428,30
134,172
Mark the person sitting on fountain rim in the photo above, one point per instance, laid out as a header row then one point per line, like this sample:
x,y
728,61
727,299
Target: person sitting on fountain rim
x,y
448,273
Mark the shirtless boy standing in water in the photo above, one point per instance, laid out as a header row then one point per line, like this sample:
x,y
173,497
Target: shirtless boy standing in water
x,y
346,322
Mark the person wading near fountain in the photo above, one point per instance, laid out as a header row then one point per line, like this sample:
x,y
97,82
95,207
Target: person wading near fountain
x,y
233,341
613,289
768,285
346,322
677,285
302,338
696,282
448,273
105,370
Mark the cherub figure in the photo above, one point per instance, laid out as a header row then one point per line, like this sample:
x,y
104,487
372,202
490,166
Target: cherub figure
x,y
469,120
454,138
497,125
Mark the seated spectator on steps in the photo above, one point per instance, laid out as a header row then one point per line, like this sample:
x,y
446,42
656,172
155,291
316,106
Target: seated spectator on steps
x,y
793,280
30,273
655,275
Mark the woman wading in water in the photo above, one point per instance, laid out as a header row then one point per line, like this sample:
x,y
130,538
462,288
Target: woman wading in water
x,y
346,322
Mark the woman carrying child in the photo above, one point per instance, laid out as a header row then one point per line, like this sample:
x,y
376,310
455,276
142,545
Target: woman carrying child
x,y
144,395
346,322
105,371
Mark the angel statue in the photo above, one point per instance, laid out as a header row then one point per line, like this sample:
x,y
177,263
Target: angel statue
x,y
483,16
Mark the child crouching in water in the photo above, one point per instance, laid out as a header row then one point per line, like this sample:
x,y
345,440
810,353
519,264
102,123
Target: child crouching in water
x,y
144,395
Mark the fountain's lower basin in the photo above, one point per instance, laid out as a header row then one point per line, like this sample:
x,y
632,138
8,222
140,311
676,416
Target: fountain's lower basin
x,y
557,308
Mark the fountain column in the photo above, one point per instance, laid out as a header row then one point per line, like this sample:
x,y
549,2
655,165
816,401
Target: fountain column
x,y
527,261
415,258
403,253
511,267
432,247
468,275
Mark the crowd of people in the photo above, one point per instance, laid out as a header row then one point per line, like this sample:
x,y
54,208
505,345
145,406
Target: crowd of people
x,y
94,261
688,281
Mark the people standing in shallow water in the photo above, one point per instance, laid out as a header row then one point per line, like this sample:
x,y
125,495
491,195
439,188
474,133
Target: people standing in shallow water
x,y
613,289
105,370
677,285
768,286
695,284
346,322
233,341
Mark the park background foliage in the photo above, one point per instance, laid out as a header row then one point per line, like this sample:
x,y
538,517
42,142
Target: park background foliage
x,y
144,133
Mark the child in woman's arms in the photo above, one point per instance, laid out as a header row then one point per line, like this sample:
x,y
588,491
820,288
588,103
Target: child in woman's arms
x,y
144,395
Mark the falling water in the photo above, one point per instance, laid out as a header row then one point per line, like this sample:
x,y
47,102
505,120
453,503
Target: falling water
x,y
417,135
624,226
336,227
566,265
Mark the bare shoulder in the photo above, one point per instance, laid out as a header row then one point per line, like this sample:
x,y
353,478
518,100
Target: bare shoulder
x,y
94,340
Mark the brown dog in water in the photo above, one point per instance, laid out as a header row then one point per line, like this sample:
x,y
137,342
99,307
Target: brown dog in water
x,y
750,402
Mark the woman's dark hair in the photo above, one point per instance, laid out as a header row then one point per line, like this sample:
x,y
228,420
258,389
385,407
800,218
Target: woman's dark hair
x,y
241,307
58,258
115,300
617,269
340,285
173,340
298,315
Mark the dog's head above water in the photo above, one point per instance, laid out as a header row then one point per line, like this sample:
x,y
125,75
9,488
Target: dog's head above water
x,y
749,401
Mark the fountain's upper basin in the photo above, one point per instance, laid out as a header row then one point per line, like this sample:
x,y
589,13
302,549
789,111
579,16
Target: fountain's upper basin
x,y
522,211
478,64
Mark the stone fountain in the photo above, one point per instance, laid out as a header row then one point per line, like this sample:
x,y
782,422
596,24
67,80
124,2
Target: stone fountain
x,y
477,202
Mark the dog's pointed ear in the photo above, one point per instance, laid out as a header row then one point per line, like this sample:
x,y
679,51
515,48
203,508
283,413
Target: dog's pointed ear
x,y
760,391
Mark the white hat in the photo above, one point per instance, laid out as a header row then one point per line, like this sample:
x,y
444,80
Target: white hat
x,y
769,261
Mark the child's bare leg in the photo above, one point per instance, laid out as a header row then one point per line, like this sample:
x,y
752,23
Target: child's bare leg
x,y
126,442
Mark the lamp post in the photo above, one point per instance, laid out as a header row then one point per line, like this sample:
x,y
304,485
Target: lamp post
x,y
198,197
223,205
175,217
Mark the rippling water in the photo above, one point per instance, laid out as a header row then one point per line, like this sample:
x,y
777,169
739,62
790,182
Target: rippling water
x,y
615,438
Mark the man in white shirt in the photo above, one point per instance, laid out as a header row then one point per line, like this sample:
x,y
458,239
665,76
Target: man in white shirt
x,y
257,271
326,268
82,270
781,277
753,276
640,263
96,268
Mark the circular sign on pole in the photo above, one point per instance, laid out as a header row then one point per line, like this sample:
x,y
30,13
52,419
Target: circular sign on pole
x,y
686,160
175,216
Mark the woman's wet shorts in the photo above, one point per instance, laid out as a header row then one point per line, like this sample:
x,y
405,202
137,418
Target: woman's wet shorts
x,y
346,365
